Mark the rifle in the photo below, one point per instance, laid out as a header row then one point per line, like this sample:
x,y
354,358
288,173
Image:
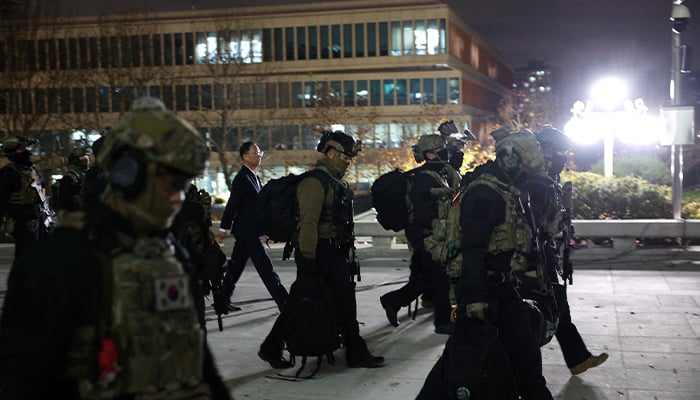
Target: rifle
x,y
353,262
567,233
47,214
214,259
542,258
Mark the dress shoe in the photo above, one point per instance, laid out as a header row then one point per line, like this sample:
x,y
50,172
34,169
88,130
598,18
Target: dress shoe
x,y
590,362
232,307
391,312
276,361
445,329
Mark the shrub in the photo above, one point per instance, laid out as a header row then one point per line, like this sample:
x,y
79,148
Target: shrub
x,y
646,167
628,197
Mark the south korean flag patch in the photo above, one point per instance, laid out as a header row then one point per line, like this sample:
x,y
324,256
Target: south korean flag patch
x,y
172,293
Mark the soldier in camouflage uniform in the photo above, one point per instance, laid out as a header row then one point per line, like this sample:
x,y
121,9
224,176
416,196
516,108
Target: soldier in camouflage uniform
x,y
548,200
25,213
433,185
114,317
70,187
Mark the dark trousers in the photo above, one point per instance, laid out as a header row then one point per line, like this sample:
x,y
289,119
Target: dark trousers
x,y
572,346
427,277
510,315
252,247
332,265
26,232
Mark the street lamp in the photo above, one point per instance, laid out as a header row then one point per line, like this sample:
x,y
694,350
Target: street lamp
x,y
680,18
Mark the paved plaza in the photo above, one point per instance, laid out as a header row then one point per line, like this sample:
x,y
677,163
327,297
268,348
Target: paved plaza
x,y
641,307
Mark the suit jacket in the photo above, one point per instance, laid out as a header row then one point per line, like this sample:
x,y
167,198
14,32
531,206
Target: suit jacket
x,y
239,215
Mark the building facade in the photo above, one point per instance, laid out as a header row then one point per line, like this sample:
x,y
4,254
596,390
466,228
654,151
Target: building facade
x,y
385,72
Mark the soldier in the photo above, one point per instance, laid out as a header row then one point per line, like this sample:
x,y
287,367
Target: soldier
x,y
114,317
95,181
324,247
496,243
556,226
26,213
430,194
70,187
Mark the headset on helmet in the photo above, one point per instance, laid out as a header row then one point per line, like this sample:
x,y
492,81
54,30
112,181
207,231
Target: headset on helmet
x,y
340,141
149,133
552,141
431,143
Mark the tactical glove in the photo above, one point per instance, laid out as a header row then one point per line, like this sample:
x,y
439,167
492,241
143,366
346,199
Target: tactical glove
x,y
476,310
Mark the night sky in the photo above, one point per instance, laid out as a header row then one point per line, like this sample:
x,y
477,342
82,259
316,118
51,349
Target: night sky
x,y
585,39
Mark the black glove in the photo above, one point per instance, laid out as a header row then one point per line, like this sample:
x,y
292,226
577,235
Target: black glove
x,y
306,265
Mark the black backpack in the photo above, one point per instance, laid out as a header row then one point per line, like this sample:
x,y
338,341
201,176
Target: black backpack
x,y
474,365
310,322
276,206
389,199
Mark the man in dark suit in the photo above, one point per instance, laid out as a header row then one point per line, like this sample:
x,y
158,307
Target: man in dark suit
x,y
239,218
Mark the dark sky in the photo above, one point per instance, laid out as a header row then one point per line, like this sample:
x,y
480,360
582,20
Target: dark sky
x,y
585,39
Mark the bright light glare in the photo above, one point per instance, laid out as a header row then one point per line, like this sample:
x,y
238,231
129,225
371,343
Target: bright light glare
x,y
585,130
609,92
641,130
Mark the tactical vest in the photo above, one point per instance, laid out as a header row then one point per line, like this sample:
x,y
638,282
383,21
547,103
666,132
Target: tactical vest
x,y
339,216
436,242
78,177
513,234
150,315
27,194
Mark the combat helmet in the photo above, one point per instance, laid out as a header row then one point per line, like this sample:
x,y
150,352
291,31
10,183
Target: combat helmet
x,y
76,154
10,145
340,141
154,134
518,151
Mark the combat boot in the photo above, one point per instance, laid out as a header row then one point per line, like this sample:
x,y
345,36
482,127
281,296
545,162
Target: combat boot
x,y
390,309
590,362
357,355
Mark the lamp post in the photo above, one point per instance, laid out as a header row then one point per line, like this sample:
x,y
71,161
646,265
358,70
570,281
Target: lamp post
x,y
609,93
680,17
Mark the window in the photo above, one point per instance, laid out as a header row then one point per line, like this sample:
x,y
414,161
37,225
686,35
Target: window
x,y
454,90
90,100
297,97
62,54
301,43
78,100
289,41
284,93
336,47
154,91
83,53
349,93
126,51
136,50
167,49
53,58
72,57
193,94
325,43
313,43
147,56
421,38
389,92
219,97
396,38
336,93
270,96
179,49
408,38
309,94
293,137
267,44
401,92
441,90
180,98
157,50
362,93
428,91
189,48
117,95
308,138
359,40
26,101
371,39
246,96
258,95
103,99
279,45
416,93
93,53
383,39
375,92
232,91
347,41
433,38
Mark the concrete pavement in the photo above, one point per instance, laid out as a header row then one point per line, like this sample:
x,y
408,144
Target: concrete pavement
x,y
642,307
